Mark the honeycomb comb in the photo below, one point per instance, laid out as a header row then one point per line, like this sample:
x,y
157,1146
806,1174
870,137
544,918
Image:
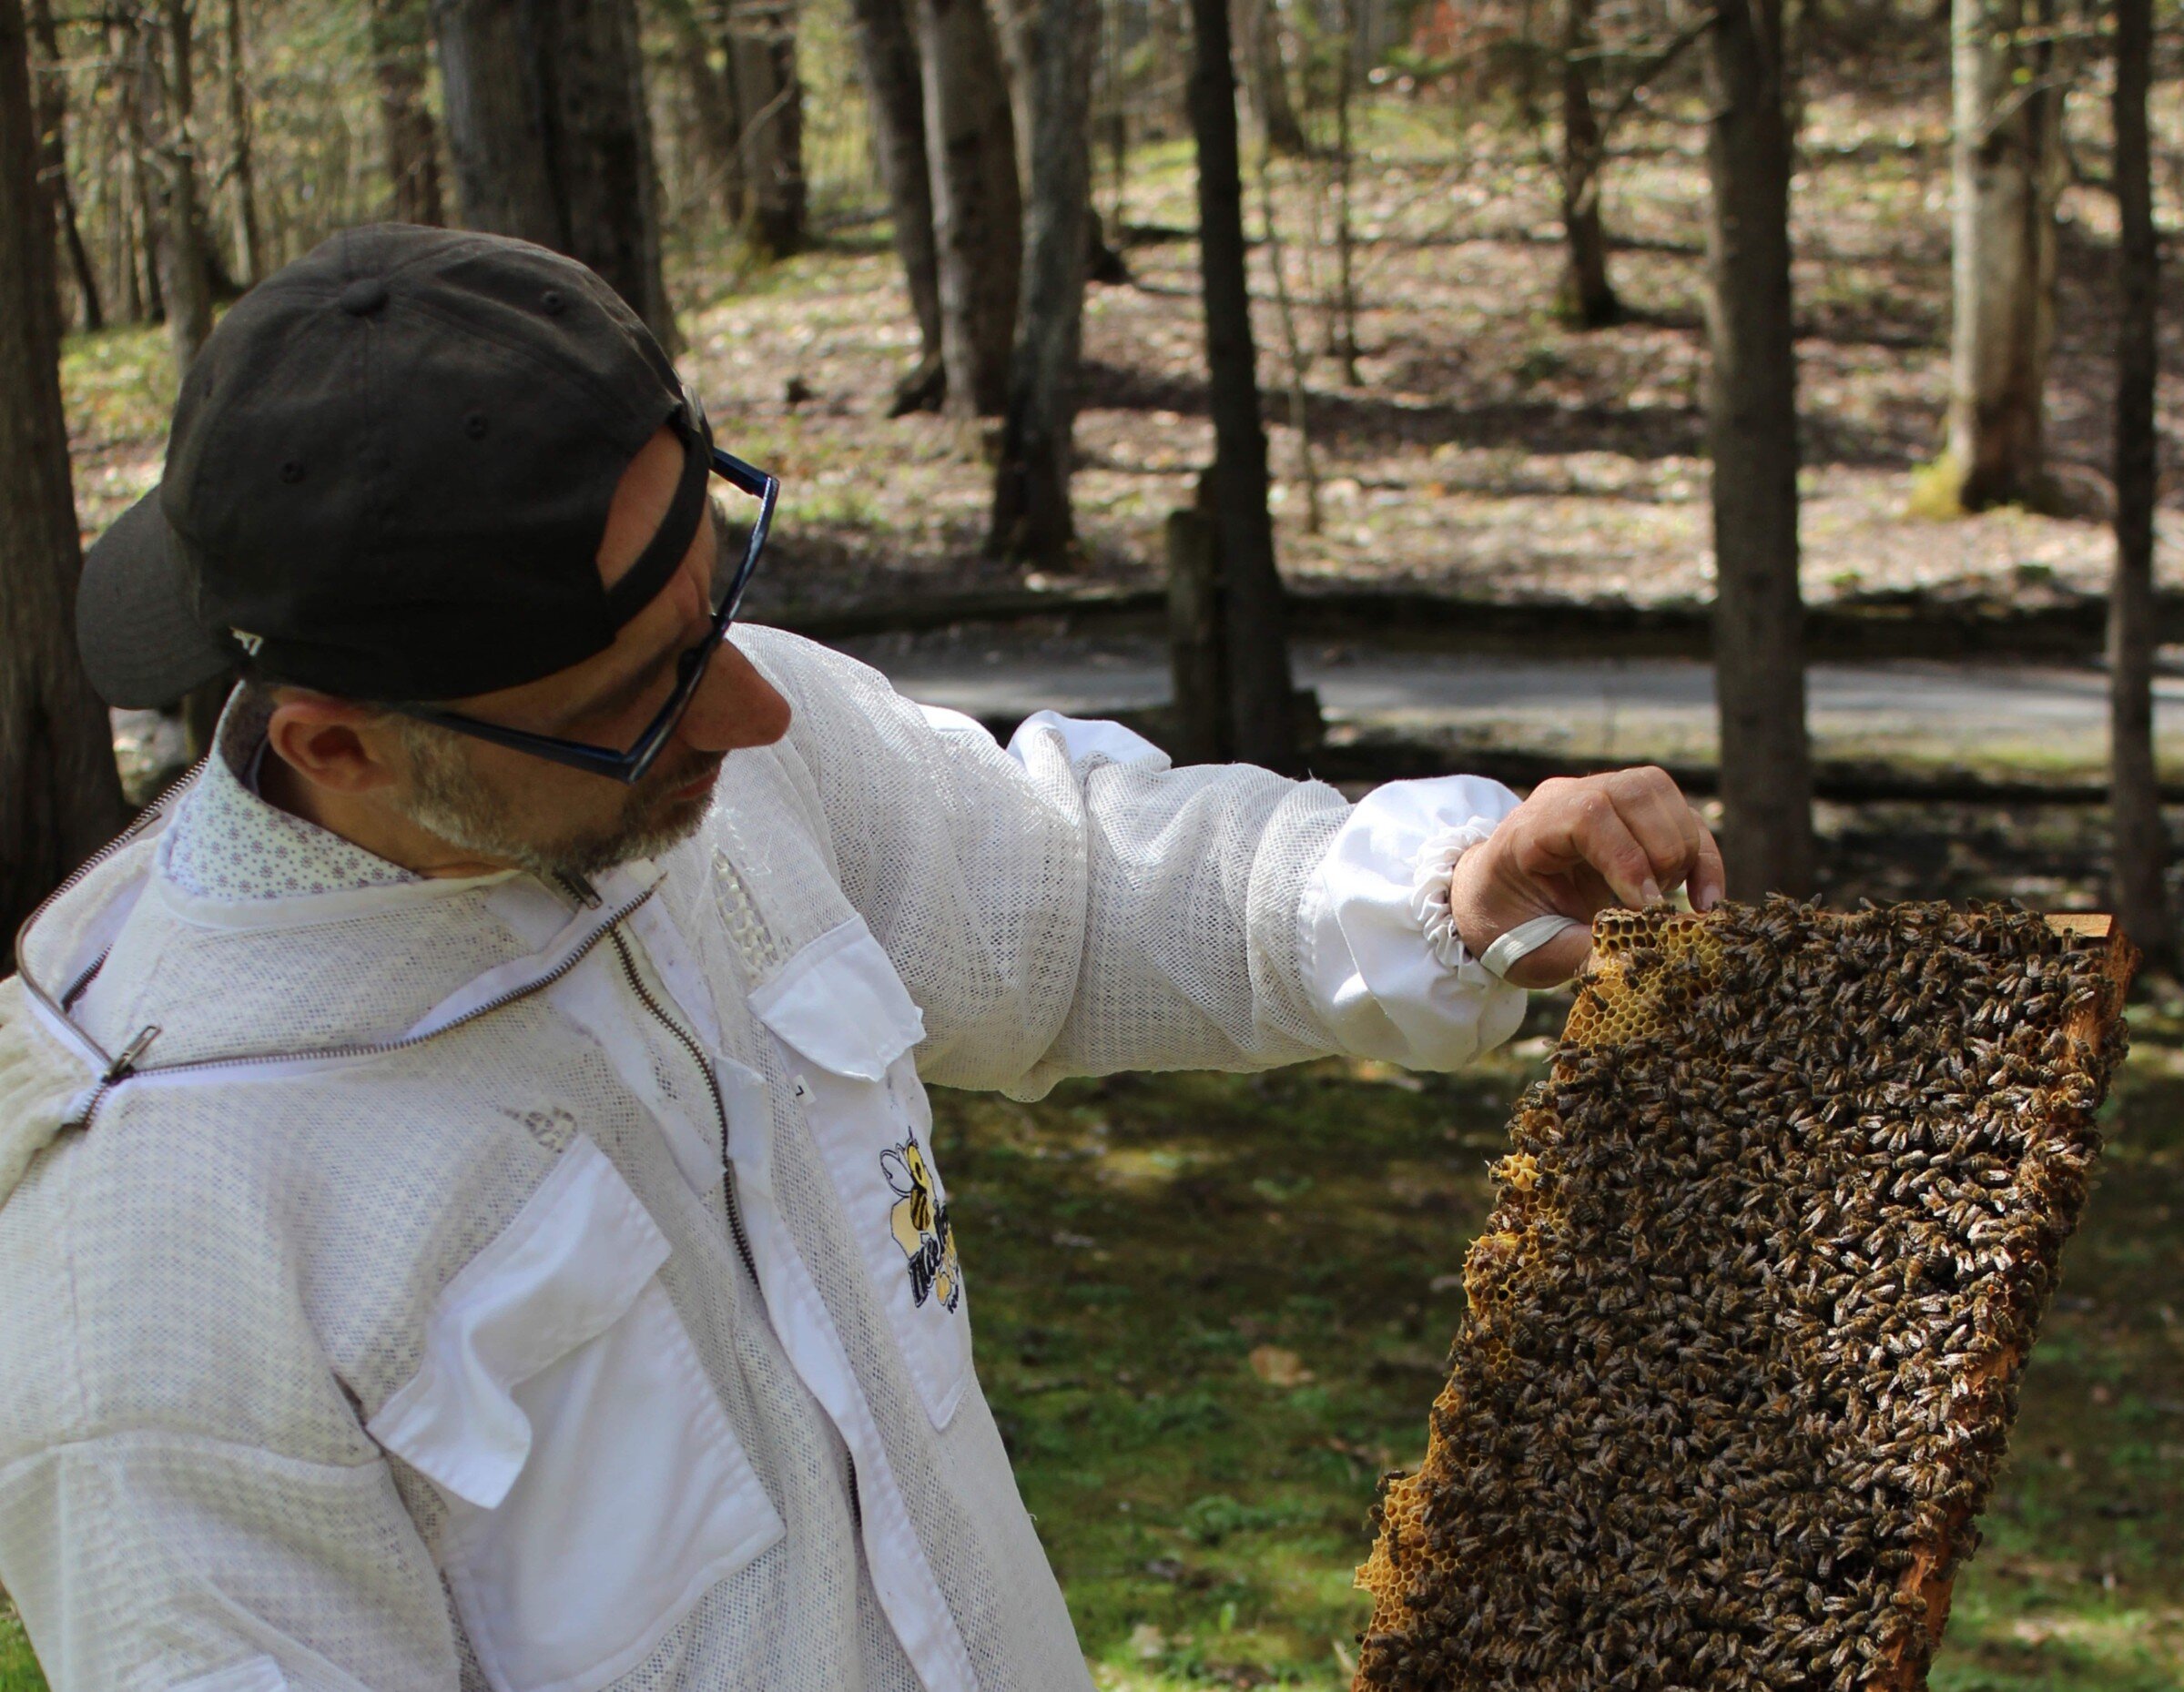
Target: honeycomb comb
x,y
1770,1245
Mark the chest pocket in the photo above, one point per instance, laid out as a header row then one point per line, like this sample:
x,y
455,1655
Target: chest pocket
x,y
849,1024
594,1488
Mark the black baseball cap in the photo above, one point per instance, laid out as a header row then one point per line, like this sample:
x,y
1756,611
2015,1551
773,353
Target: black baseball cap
x,y
388,476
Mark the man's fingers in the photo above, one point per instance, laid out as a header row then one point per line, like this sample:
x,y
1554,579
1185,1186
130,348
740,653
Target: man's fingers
x,y
1710,880
1595,834
1663,825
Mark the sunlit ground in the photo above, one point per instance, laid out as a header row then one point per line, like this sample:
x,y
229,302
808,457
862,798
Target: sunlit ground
x,y
1211,1309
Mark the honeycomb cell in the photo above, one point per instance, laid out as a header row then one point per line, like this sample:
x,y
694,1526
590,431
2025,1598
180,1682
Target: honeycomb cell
x,y
1770,1245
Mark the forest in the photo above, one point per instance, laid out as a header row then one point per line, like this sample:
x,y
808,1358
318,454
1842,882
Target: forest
x,y
1366,389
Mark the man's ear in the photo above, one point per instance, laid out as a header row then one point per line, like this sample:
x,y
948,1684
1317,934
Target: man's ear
x,y
335,744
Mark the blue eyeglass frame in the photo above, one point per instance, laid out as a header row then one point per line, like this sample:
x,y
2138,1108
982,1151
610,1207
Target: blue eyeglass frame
x,y
630,765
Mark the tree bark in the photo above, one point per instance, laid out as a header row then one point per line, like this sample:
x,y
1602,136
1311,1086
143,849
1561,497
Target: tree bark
x,y
400,31
769,101
551,139
887,52
977,212
2006,163
166,53
1257,644
59,795
52,106
2141,845
1752,435
1588,298
248,245
1267,79
713,103
1031,521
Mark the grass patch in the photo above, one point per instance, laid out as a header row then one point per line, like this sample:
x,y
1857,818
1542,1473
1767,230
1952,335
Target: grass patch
x,y
1211,1309
18,1668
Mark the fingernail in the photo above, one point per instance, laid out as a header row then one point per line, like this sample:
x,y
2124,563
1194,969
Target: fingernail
x,y
1648,892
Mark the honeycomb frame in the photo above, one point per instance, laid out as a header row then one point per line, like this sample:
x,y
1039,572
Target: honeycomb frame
x,y
1569,1277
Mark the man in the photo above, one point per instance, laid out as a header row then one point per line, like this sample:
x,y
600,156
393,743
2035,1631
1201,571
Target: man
x,y
468,1215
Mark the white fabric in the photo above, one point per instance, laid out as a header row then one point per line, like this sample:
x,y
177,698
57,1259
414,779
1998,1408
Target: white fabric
x,y
1380,889
241,848
255,1674
404,1157
1506,949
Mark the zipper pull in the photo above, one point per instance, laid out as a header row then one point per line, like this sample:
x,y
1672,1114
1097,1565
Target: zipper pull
x,y
582,887
126,1064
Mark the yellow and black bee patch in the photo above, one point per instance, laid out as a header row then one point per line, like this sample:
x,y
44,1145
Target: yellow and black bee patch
x,y
919,1221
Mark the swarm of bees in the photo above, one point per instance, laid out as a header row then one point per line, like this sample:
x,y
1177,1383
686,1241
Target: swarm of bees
x,y
1745,1324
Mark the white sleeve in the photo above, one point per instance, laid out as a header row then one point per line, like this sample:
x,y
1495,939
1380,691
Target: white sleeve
x,y
1074,906
1383,962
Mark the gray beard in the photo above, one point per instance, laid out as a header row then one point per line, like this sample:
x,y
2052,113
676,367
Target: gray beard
x,y
447,800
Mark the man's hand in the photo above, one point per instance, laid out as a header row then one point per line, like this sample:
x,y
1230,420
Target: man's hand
x,y
1577,845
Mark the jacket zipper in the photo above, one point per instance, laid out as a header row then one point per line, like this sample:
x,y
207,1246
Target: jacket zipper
x,y
125,1065
154,811
720,1109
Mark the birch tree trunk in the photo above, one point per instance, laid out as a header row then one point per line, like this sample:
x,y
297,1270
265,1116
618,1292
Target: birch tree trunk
x,y
1256,647
713,103
769,101
2006,165
1265,78
166,56
552,141
1032,519
2141,845
1588,299
249,247
887,53
1752,435
59,795
51,105
400,32
977,212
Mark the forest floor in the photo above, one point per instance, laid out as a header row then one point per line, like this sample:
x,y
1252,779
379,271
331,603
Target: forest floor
x,y
1211,1309
1484,449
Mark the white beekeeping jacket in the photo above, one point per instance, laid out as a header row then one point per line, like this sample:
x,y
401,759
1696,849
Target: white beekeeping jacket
x,y
481,1284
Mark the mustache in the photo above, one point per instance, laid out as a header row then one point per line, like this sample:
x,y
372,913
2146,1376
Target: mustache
x,y
704,763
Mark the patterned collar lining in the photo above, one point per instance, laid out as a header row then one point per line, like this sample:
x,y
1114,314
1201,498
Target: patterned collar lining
x,y
229,843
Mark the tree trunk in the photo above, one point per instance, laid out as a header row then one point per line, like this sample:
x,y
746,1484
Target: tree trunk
x,y
712,102
1257,644
2142,846
400,31
52,106
166,51
547,125
1752,435
1267,79
887,51
2006,159
248,245
1032,520
977,213
59,795
1588,299
769,101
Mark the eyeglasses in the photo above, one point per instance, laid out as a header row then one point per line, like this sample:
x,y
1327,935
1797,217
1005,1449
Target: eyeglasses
x,y
690,668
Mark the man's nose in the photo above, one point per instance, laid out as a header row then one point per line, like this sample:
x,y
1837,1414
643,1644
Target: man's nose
x,y
735,706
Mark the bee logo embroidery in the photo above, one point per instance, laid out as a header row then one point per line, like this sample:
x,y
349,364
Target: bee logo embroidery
x,y
920,1226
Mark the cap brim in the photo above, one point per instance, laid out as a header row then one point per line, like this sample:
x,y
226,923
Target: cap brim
x,y
141,642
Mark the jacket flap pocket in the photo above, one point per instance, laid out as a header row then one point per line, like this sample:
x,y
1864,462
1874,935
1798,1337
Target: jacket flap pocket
x,y
840,1003
574,1258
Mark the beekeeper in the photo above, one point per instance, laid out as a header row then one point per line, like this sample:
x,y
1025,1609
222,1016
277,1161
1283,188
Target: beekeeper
x,y
469,1213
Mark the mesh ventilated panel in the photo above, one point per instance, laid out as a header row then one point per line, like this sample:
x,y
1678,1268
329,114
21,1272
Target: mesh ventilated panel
x,y
1745,1324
